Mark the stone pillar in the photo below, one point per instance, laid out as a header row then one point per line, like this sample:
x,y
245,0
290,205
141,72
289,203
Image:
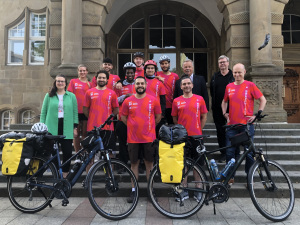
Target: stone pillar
x,y
71,37
264,73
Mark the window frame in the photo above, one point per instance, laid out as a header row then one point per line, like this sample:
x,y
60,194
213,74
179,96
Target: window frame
x,y
26,15
290,30
28,119
10,118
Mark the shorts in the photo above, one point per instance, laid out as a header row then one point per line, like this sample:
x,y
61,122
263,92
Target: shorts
x,y
82,117
146,150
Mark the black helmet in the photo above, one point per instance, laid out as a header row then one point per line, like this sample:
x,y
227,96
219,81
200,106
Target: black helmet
x,y
138,54
129,65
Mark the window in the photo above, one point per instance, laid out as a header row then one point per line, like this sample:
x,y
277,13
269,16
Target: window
x,y
37,38
27,116
160,32
291,29
7,118
16,43
30,38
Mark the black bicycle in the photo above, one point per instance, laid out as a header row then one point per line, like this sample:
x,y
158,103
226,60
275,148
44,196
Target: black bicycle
x,y
269,185
107,190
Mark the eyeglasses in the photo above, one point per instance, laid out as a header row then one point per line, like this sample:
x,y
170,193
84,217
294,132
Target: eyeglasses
x,y
60,81
222,62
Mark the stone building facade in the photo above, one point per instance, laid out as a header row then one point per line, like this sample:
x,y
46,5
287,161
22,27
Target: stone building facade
x,y
42,38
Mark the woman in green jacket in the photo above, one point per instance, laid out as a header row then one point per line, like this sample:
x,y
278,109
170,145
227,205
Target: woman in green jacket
x,y
60,114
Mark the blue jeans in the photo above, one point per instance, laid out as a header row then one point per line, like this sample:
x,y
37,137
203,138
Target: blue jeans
x,y
234,151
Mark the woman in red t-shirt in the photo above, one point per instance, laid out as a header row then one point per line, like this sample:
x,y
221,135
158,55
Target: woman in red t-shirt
x,y
79,86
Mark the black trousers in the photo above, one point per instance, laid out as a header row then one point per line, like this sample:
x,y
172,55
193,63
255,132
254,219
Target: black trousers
x,y
220,121
66,146
121,132
168,116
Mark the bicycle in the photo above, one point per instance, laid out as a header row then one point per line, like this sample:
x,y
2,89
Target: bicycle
x,y
107,190
269,185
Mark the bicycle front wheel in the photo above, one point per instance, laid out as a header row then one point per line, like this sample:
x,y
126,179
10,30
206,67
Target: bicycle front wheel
x,y
275,202
108,192
23,192
166,199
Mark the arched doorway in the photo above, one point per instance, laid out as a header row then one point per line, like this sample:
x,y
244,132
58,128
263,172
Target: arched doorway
x,y
177,30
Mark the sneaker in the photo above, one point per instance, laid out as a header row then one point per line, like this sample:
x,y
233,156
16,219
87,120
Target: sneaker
x,y
184,195
83,184
222,159
198,196
131,197
231,181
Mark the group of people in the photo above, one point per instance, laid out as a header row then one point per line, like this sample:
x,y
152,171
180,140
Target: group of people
x,y
144,101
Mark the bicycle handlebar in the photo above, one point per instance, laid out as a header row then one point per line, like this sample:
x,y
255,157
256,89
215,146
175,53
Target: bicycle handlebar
x,y
258,116
97,129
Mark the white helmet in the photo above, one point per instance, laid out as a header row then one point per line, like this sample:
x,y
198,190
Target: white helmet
x,y
39,128
164,58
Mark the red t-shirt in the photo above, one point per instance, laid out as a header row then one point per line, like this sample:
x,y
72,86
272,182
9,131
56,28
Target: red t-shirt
x,y
101,104
78,88
139,72
140,118
155,88
113,79
169,84
126,89
241,101
188,111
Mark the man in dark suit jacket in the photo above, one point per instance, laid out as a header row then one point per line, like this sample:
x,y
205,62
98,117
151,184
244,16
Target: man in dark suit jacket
x,y
198,82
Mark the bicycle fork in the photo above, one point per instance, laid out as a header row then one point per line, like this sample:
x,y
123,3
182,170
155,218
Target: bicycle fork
x,y
264,163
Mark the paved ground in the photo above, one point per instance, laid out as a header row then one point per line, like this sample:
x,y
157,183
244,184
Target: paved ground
x,y
79,211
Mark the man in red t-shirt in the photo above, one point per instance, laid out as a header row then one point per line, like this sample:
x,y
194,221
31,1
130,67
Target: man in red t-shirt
x,y
140,112
138,59
113,79
126,91
190,111
100,103
155,88
169,80
240,94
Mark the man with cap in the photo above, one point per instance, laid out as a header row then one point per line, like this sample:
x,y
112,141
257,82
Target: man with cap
x,y
113,79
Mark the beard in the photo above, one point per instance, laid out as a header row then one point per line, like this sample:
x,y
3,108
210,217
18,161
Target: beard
x,y
101,84
166,69
140,92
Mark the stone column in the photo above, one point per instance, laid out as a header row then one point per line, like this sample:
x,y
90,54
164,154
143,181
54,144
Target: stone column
x,y
264,73
71,36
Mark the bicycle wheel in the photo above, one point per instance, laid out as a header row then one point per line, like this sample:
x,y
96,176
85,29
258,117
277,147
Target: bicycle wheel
x,y
109,200
27,197
274,204
165,199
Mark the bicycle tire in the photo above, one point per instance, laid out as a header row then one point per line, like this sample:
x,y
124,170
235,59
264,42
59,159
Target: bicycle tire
x,y
112,204
162,195
32,199
275,205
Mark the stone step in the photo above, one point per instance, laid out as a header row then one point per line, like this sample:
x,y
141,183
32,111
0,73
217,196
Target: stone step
x,y
265,126
236,190
258,132
265,146
263,139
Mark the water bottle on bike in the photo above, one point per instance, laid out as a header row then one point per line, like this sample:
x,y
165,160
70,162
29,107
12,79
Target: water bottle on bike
x,y
215,170
228,168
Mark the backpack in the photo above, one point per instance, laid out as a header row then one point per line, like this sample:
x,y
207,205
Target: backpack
x,y
171,153
16,156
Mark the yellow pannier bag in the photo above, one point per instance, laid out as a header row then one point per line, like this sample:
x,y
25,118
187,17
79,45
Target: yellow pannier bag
x,y
16,156
171,162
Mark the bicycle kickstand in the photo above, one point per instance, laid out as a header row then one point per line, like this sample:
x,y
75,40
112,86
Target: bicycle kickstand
x,y
214,208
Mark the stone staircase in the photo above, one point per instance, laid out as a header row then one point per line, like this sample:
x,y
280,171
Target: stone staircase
x,y
280,142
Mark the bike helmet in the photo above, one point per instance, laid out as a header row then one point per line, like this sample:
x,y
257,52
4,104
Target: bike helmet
x,y
39,128
138,54
150,62
164,58
129,65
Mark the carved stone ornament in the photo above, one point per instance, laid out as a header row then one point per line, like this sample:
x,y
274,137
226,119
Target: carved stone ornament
x,y
270,90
